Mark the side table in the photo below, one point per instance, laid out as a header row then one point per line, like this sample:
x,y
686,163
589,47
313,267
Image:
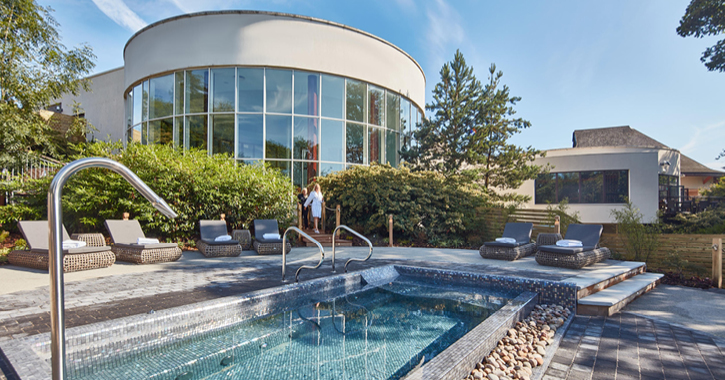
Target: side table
x,y
91,239
547,239
244,238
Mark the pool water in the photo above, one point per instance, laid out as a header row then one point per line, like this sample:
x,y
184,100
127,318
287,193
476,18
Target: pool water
x,y
377,333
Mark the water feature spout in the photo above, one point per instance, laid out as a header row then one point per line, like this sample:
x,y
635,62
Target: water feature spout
x,y
55,222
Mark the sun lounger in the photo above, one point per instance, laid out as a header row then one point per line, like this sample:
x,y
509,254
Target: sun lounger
x,y
209,246
522,247
125,235
575,257
36,234
267,246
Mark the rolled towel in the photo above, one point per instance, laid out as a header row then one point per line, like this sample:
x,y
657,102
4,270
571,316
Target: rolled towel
x,y
506,240
271,236
569,243
223,238
70,244
147,241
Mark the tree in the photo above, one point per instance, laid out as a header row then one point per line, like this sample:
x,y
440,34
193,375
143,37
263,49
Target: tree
x,y
706,18
35,68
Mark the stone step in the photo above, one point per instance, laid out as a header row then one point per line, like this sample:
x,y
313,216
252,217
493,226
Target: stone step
x,y
612,299
592,282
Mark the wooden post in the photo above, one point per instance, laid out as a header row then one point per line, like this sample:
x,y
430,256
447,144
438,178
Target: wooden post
x,y
390,230
337,219
322,220
717,262
557,224
126,216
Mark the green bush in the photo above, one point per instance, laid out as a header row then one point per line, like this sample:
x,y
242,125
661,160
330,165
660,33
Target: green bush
x,y
709,222
639,240
426,205
197,186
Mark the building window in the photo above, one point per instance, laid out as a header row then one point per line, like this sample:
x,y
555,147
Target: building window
x,y
610,186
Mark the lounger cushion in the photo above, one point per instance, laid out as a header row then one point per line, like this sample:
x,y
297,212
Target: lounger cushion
x,y
566,250
268,241
124,231
37,234
265,226
506,245
519,231
147,246
210,229
74,251
214,242
588,234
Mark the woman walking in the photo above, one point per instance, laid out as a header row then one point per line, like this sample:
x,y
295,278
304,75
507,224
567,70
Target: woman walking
x,y
316,200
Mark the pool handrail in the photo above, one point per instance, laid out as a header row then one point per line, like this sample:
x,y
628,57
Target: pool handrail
x,y
334,233
55,222
284,252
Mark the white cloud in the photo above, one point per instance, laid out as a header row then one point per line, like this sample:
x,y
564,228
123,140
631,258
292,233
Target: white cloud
x,y
445,33
407,5
121,14
698,138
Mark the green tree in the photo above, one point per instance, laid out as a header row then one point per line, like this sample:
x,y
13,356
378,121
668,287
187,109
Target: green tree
x,y
639,240
706,18
35,68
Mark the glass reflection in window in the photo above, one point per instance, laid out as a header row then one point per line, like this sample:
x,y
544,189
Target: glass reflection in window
x,y
137,104
161,96
568,184
377,105
393,111
250,140
307,138
179,128
222,138
160,131
307,93
223,90
356,100
135,135
196,131
279,91
251,90
304,173
375,145
592,187
391,148
282,166
332,144
545,188
279,137
327,168
179,92
145,101
355,135
197,91
333,93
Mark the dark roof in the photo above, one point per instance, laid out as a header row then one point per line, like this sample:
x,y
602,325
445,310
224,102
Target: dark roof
x,y
688,166
614,136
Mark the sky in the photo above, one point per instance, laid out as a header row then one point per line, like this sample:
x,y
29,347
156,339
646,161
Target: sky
x,y
575,64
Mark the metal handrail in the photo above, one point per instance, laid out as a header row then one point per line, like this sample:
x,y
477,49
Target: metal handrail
x,y
284,252
55,223
334,233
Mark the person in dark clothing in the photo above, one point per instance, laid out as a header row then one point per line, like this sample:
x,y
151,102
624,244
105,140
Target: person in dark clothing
x,y
305,210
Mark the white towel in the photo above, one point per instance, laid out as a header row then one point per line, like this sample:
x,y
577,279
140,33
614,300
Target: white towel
x,y
147,241
223,238
569,243
69,244
271,236
506,240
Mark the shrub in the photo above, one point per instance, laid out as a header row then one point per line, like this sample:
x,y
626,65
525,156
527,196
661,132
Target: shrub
x,y
197,186
708,222
426,205
638,239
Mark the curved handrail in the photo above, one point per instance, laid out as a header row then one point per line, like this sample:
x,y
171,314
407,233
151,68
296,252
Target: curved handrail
x,y
284,252
334,233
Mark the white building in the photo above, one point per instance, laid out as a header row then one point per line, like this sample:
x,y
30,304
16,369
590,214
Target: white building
x,y
607,165
308,96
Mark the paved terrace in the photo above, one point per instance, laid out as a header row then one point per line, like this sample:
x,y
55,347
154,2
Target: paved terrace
x,y
672,332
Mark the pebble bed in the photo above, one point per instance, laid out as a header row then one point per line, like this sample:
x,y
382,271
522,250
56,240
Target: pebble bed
x,y
524,346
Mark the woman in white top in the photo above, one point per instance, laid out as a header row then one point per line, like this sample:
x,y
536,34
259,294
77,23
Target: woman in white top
x,y
316,200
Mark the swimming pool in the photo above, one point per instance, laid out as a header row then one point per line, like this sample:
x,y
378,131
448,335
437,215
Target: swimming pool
x,y
379,323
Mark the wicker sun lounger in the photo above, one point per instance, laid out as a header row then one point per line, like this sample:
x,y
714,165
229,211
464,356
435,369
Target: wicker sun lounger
x,y
125,234
210,230
75,259
267,246
511,251
575,257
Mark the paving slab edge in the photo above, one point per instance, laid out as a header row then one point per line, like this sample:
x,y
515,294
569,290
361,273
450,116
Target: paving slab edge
x,y
540,371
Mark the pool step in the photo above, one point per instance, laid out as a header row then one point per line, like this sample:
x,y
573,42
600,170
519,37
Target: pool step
x,y
612,299
326,240
601,280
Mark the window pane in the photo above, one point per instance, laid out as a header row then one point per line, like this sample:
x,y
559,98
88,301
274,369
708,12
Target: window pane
x,y
307,93
616,186
137,101
377,105
304,173
179,138
326,168
332,144
179,97
568,187
375,145
393,111
282,166
135,135
144,133
333,92
356,100
279,91
355,143
279,137
196,131
161,131
197,91
405,120
223,87
145,101
222,134
545,188
307,138
251,90
161,96
250,137
129,110
391,148
592,187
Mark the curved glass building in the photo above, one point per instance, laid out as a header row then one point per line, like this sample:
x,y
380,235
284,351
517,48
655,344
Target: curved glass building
x,y
306,95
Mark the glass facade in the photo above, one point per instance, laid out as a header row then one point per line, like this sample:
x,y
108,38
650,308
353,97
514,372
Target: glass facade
x,y
304,123
609,186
